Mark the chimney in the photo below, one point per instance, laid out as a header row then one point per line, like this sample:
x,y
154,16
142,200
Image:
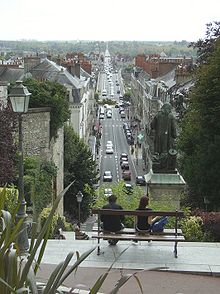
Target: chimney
x,y
77,69
30,62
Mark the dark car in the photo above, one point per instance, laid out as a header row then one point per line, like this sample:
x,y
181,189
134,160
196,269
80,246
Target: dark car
x,y
126,175
123,155
128,188
140,180
125,165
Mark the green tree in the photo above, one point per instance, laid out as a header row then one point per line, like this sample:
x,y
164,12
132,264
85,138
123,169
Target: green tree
x,y
199,141
205,47
79,167
53,95
8,123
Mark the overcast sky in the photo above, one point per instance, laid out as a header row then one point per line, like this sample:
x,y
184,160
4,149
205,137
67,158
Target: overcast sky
x,y
161,20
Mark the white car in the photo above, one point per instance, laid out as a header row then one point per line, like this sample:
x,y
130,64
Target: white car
x,y
109,114
108,192
104,93
107,176
109,143
101,116
109,150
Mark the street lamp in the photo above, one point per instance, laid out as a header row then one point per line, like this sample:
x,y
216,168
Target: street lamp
x,y
19,97
79,197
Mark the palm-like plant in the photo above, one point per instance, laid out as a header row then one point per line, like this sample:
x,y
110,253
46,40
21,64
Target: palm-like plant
x,y
18,273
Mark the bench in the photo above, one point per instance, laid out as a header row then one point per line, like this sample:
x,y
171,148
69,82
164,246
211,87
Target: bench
x,y
175,235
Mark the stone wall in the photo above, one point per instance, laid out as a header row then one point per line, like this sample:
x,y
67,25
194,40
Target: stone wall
x,y
36,141
36,132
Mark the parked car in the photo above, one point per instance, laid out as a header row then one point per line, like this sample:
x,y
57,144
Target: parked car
x,y
101,116
125,165
123,114
126,175
121,109
140,180
107,176
123,155
126,126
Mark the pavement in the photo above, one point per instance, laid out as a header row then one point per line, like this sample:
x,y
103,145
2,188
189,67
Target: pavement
x,y
196,270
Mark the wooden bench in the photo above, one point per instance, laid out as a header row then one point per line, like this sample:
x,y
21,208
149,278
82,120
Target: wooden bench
x,y
175,235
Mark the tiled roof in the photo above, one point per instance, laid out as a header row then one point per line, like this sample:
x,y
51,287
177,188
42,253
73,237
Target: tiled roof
x,y
8,74
51,71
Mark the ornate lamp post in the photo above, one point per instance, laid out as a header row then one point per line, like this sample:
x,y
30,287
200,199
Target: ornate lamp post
x,y
79,197
19,96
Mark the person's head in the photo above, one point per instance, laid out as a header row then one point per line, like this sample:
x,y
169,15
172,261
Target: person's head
x,y
143,201
112,199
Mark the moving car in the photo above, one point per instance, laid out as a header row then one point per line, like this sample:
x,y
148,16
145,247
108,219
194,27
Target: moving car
x,y
128,188
109,150
104,93
109,143
140,180
107,176
109,114
107,192
126,175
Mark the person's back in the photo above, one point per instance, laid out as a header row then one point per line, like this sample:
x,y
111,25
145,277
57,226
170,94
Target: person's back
x,y
143,223
112,223
147,223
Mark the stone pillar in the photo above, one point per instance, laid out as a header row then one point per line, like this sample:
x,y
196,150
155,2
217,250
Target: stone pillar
x,y
169,185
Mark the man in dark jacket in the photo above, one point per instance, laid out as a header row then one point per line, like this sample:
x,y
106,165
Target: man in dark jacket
x,y
112,223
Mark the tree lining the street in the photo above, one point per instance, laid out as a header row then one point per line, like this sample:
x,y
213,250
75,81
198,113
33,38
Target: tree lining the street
x,y
199,140
79,167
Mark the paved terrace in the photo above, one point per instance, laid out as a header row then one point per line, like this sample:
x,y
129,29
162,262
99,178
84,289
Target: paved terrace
x,y
193,257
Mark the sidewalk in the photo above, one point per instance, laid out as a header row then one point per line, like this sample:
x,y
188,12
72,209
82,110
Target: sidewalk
x,y
193,258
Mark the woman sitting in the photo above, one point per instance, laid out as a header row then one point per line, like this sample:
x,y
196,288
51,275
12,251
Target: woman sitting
x,y
148,224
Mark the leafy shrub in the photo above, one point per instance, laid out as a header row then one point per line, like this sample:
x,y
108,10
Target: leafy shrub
x,y
192,228
58,222
11,199
38,177
211,224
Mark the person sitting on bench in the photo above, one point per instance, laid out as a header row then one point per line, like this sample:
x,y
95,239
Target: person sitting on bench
x,y
148,224
112,223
